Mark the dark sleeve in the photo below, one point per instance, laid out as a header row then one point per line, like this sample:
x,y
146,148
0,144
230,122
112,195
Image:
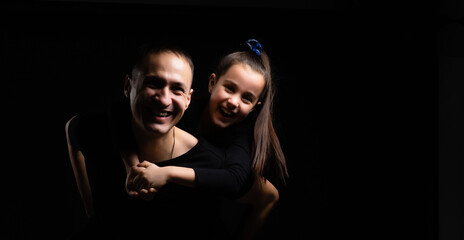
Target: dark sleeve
x,y
235,178
85,131
73,132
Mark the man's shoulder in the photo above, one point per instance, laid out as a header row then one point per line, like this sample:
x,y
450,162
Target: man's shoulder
x,y
87,129
186,140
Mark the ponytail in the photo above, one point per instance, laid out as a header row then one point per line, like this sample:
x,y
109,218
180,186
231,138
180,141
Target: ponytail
x,y
267,152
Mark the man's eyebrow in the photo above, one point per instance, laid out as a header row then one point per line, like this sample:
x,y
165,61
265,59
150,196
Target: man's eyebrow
x,y
154,78
160,81
179,84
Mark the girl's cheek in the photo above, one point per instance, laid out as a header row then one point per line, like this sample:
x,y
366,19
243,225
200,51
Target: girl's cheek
x,y
220,95
245,112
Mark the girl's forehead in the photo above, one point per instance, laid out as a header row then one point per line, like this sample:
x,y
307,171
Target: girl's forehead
x,y
245,77
243,71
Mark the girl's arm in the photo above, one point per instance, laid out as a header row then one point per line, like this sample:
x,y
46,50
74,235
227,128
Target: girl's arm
x,y
230,180
235,177
80,173
151,175
144,179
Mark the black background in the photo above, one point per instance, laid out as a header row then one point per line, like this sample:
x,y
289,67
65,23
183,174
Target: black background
x,y
356,107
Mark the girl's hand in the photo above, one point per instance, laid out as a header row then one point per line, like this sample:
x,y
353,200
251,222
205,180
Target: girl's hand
x,y
135,186
149,177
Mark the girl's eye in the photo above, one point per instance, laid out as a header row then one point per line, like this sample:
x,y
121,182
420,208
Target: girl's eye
x,y
229,88
247,100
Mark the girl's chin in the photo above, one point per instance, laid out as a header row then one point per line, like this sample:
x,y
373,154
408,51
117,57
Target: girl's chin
x,y
222,124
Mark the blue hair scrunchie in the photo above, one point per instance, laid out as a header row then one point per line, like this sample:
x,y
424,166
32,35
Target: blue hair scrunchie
x,y
254,46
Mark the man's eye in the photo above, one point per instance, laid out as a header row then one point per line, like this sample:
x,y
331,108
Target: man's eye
x,y
153,84
177,90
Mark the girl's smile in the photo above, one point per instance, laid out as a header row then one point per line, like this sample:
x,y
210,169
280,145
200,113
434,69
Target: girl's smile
x,y
234,95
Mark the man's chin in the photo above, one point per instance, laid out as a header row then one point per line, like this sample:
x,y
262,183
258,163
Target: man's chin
x,y
158,129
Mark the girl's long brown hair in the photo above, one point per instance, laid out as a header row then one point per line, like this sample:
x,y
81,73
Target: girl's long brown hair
x,y
267,152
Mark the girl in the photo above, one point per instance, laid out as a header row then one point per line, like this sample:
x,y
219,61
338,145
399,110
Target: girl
x,y
240,103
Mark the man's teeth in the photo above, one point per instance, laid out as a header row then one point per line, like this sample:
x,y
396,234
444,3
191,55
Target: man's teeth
x,y
162,114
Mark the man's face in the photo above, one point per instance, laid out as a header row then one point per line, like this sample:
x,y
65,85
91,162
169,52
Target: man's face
x,y
160,92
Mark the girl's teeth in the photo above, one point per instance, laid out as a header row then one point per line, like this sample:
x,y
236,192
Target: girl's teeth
x,y
226,112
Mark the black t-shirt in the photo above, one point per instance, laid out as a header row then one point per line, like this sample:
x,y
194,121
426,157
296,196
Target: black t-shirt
x,y
235,179
175,212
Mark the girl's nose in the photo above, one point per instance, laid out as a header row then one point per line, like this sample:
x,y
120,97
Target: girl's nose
x,y
233,102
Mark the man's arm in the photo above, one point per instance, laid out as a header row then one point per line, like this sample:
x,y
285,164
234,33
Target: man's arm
x,y
80,173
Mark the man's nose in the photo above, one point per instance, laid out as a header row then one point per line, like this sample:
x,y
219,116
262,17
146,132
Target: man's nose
x,y
163,96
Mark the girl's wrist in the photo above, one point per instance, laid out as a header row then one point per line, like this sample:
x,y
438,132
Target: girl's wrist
x,y
168,172
179,175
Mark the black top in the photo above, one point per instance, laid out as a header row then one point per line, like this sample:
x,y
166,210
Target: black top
x,y
175,212
235,179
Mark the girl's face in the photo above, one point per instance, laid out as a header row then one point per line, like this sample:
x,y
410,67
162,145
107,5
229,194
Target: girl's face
x,y
234,95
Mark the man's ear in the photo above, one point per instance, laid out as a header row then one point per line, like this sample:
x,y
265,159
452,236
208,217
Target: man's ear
x,y
127,86
188,98
212,82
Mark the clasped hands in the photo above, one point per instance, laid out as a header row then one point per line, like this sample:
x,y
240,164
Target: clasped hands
x,y
144,180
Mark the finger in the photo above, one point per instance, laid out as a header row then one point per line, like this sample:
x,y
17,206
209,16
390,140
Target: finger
x,y
133,182
132,193
137,183
136,170
129,187
148,194
144,194
144,164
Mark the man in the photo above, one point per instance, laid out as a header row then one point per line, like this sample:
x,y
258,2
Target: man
x,y
158,92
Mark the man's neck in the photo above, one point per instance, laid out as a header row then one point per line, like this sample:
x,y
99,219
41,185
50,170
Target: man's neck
x,y
154,147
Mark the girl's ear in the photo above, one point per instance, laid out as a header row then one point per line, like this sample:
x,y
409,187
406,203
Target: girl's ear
x,y
212,82
127,86
256,105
